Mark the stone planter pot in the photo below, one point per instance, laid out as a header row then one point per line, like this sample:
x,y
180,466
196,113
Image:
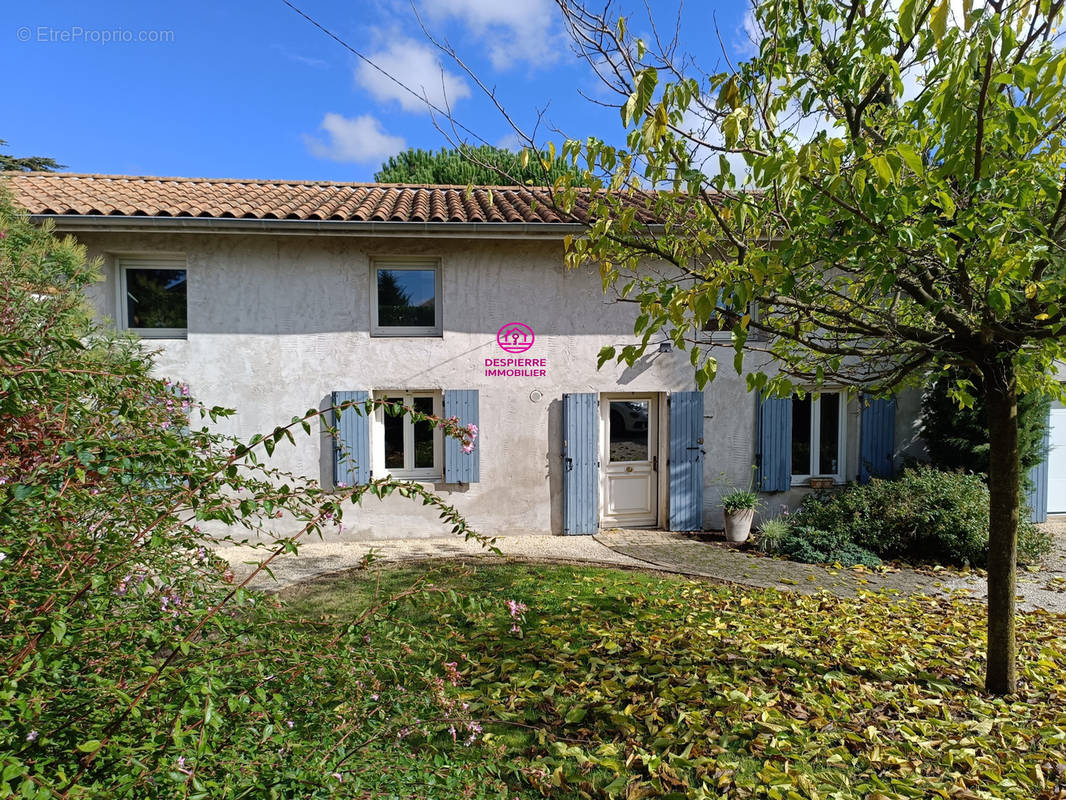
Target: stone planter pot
x,y
738,525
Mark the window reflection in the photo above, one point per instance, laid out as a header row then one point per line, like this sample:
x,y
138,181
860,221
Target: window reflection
x,y
629,430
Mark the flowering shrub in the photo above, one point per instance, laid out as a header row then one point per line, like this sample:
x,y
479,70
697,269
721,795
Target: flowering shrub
x,y
132,662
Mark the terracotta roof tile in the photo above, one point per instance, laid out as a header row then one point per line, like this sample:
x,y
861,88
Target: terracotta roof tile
x,y
127,195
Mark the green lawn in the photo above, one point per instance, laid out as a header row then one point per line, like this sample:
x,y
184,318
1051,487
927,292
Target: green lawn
x,y
632,685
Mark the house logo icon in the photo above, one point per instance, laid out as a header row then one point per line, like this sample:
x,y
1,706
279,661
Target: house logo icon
x,y
515,337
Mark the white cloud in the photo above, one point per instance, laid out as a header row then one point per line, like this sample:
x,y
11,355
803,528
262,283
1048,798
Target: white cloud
x,y
416,66
510,141
513,30
359,140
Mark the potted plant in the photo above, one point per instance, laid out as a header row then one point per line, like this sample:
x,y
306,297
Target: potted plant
x,y
739,506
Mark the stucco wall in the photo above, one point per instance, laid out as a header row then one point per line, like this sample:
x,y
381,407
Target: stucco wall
x,y
276,323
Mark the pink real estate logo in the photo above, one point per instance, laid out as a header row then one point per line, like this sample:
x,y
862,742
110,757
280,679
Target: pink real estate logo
x,y
514,338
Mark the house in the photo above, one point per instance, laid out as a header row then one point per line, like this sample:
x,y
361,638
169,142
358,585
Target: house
x,y
273,297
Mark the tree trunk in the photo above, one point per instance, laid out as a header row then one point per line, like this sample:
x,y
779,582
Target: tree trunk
x,y
1003,477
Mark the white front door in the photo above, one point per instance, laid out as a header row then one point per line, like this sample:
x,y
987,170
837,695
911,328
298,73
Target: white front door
x,y
1056,465
629,461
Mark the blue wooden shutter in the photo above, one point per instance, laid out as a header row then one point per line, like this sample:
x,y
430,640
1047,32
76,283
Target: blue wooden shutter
x,y
1038,477
775,444
460,467
351,448
686,461
877,438
580,463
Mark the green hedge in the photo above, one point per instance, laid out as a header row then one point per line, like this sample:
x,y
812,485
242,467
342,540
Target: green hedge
x,y
924,514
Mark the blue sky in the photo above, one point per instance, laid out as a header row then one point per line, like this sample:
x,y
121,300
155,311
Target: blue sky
x,y
246,89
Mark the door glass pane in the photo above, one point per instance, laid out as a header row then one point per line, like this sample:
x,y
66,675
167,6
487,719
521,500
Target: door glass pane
x,y
629,430
407,298
829,434
801,436
155,298
393,436
423,434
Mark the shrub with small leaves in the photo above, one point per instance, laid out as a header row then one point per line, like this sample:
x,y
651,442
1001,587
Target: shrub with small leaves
x,y
814,546
924,514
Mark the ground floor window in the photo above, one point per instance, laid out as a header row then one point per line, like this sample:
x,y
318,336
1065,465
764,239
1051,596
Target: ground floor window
x,y
818,436
405,448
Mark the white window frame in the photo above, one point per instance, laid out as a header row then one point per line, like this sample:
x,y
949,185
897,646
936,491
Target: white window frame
x,y
434,473
399,264
124,263
816,435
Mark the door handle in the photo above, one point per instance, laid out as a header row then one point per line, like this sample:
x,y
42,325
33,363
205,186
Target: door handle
x,y
629,469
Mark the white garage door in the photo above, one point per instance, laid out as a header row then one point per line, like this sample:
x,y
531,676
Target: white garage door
x,y
1056,468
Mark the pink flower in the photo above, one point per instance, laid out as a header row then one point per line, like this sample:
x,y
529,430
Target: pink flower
x,y
452,671
516,608
471,430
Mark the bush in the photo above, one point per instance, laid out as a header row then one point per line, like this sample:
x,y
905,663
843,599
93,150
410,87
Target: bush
x,y
814,546
924,514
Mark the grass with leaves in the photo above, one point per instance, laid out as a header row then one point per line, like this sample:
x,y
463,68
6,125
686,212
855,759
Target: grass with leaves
x,y
633,685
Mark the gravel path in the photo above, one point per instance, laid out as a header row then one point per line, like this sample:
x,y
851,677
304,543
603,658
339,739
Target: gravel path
x,y
316,559
678,553
1043,588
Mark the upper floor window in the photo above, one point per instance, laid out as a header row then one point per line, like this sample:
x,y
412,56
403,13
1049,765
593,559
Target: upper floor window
x,y
719,324
818,436
154,299
406,298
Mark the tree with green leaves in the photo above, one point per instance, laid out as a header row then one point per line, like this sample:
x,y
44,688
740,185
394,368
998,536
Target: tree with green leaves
x,y
878,193
957,438
478,166
9,163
